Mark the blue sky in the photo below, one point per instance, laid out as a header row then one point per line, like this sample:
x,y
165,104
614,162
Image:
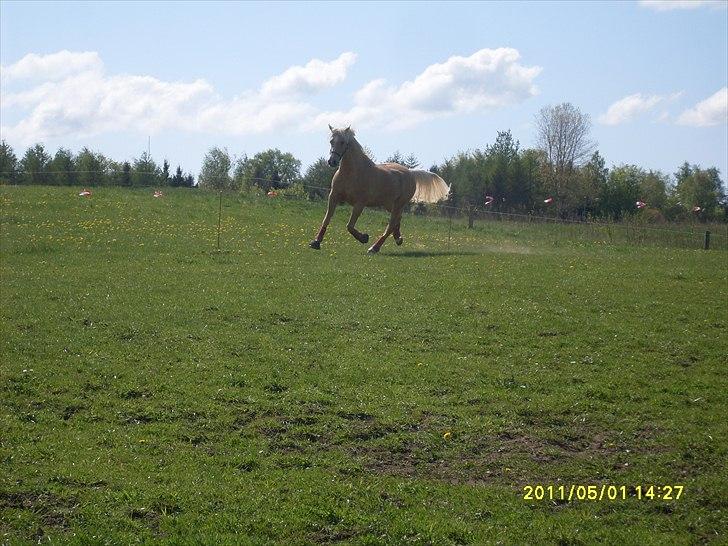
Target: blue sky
x,y
425,78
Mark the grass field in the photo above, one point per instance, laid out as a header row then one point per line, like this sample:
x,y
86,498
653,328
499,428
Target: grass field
x,y
156,389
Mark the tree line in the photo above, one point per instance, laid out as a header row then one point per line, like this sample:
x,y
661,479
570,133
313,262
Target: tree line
x,y
87,168
564,175
504,178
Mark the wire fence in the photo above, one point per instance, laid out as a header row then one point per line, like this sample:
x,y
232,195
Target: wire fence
x,y
541,228
528,227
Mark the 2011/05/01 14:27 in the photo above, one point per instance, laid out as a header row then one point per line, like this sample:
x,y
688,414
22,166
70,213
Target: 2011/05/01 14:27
x,y
602,492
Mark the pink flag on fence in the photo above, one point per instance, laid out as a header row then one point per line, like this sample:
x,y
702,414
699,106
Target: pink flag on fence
x,y
548,200
158,194
641,204
488,200
85,193
697,209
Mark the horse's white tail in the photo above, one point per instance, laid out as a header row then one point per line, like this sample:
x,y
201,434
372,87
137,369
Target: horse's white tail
x,y
430,187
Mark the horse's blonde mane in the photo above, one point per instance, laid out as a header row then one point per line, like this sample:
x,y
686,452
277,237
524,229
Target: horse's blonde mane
x,y
346,131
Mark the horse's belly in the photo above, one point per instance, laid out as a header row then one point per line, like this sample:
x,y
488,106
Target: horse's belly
x,y
379,201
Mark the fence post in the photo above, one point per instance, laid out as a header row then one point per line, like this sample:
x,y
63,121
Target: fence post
x,y
449,227
219,218
707,240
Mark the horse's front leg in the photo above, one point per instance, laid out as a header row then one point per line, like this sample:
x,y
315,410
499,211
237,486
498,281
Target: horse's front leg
x,y
393,219
355,213
316,243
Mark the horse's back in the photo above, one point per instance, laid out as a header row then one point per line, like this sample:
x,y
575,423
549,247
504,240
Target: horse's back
x,y
398,181
388,185
393,167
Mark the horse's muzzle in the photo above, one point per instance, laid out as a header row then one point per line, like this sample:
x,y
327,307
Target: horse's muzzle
x,y
333,162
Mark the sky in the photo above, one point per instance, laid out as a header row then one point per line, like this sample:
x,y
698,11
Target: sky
x,y
429,79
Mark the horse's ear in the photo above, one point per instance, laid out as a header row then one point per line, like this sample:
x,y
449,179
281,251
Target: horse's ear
x,y
331,128
348,129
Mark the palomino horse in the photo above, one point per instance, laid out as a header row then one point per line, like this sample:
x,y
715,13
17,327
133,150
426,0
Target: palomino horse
x,y
361,183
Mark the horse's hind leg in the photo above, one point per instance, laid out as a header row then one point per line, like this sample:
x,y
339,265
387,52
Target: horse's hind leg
x,y
396,233
316,243
355,213
395,217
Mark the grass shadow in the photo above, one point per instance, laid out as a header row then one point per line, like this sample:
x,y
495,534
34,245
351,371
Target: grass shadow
x,y
430,253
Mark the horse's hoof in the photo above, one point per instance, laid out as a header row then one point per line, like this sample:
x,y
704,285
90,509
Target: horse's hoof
x,y
316,245
364,238
373,249
399,241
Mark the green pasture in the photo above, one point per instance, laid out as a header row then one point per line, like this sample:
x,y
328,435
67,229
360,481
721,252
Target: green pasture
x,y
155,389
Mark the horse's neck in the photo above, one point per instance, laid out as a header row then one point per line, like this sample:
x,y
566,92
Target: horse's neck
x,y
355,158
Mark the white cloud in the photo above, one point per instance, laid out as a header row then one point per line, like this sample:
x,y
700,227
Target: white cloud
x,y
70,94
278,102
669,5
312,77
77,98
91,103
52,67
628,108
711,111
488,79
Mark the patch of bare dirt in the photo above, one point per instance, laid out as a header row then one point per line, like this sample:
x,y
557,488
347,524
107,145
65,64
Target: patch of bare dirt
x,y
53,511
417,447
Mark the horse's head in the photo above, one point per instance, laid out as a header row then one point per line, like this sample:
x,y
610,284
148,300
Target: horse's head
x,y
339,144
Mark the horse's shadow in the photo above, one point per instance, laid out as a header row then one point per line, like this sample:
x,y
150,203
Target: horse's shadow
x,y
429,253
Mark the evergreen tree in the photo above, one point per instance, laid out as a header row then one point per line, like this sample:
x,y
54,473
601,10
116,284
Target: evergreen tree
x,y
683,172
500,164
91,168
178,179
369,153
126,174
114,173
411,162
396,157
165,173
592,185
8,164
34,165
532,165
62,169
145,171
